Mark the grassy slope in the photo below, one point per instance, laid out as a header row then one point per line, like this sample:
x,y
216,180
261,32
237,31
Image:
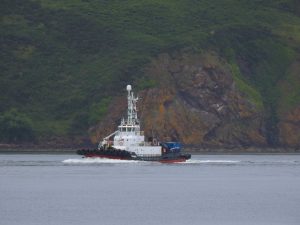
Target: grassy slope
x,y
62,59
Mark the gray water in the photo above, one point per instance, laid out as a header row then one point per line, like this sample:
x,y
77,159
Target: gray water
x,y
209,189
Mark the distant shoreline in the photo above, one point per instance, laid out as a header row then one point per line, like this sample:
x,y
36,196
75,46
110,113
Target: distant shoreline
x,y
193,151
37,151
241,150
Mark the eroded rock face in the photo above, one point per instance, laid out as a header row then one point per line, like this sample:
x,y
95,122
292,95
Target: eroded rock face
x,y
289,128
196,102
289,108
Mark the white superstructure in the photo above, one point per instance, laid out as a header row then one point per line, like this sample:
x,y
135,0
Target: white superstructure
x,y
129,137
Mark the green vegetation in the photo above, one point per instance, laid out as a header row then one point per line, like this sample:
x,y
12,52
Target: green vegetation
x,y
98,110
290,90
61,60
15,127
244,87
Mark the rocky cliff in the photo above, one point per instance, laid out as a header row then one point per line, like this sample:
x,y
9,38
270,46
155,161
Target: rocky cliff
x,y
289,108
289,128
209,73
196,101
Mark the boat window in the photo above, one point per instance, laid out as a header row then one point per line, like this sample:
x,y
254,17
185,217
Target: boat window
x,y
129,129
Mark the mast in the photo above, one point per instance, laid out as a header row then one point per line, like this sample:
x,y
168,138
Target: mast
x,y
132,109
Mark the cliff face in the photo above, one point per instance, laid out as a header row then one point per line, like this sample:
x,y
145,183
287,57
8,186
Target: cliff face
x,y
289,128
196,102
289,107
63,64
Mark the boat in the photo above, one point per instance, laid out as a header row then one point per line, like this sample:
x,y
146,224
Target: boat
x,y
128,142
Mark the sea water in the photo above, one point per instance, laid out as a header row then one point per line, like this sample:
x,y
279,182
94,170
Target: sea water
x,y
208,189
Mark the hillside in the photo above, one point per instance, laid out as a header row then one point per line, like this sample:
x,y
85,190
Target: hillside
x,y
65,63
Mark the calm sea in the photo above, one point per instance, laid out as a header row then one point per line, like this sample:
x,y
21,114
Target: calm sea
x,y
209,189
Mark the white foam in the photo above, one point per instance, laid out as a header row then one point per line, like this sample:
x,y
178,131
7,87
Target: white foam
x,y
96,160
117,161
197,161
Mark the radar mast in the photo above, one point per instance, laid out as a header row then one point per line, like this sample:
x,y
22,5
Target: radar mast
x,y
132,109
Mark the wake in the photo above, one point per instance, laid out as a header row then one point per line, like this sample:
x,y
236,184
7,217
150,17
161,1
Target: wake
x,y
117,161
97,161
198,161
86,161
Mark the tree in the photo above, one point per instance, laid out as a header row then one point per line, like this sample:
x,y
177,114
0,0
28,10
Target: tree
x,y
15,127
